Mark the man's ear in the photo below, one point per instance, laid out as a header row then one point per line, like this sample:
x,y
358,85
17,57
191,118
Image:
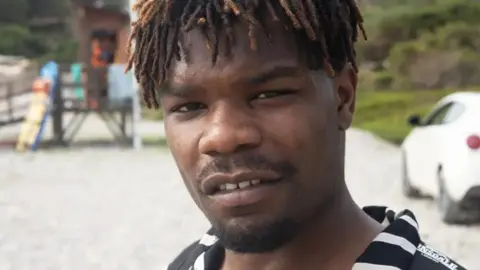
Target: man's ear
x,y
346,88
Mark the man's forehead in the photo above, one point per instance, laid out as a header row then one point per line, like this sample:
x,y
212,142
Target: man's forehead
x,y
196,60
247,45
241,71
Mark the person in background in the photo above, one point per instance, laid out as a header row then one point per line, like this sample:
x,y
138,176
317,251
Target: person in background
x,y
257,96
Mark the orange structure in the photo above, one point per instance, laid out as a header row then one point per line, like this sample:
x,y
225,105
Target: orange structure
x,y
96,58
91,16
101,28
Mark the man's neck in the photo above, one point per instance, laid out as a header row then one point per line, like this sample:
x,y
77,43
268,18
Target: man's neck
x,y
333,241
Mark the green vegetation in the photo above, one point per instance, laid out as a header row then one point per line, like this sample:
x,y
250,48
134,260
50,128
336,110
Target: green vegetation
x,y
431,44
37,29
151,114
414,44
385,113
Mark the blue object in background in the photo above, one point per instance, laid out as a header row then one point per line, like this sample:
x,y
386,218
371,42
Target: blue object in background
x,y
76,71
120,84
49,72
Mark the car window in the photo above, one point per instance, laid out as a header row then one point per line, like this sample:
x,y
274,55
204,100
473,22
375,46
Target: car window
x,y
438,115
454,112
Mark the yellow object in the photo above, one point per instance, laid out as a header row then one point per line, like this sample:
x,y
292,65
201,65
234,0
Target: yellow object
x,y
33,120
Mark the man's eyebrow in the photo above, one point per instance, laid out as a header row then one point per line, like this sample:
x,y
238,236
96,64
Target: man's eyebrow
x,y
262,77
180,91
269,75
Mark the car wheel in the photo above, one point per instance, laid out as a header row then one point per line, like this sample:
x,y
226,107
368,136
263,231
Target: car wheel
x,y
407,189
450,211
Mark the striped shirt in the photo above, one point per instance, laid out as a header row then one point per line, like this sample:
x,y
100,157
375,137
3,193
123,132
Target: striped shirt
x,y
397,247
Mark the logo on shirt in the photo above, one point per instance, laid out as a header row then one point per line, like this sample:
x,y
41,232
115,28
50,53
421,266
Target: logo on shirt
x,y
437,257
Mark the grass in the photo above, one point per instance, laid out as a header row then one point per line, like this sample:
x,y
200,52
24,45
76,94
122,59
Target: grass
x,y
385,113
154,141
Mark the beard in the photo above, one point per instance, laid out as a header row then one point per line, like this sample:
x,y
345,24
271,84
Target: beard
x,y
267,236
257,239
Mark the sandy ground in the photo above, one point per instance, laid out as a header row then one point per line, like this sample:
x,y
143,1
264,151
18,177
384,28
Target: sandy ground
x,y
113,209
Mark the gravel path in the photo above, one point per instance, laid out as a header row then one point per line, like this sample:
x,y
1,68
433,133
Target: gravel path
x,y
112,209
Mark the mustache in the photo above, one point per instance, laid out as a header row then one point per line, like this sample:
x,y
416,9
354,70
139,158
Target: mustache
x,y
245,162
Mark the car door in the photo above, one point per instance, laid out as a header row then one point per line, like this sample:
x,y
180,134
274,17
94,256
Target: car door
x,y
445,140
423,148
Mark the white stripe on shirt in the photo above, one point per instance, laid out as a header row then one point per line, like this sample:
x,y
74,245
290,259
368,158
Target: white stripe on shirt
x,y
208,240
199,262
410,221
396,240
369,266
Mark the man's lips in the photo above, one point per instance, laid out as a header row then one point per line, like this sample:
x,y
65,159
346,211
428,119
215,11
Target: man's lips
x,y
221,183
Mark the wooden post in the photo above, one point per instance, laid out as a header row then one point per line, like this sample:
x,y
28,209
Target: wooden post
x,y
96,85
10,99
136,111
57,112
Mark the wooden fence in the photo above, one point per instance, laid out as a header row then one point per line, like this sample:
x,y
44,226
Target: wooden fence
x,y
69,109
15,97
115,115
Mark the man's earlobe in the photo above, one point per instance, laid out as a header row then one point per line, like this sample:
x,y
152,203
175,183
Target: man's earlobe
x,y
346,86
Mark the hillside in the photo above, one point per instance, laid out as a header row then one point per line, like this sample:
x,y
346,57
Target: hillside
x,y
421,45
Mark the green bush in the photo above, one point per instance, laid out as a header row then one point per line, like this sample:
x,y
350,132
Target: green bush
x,y
457,35
390,26
14,12
18,40
371,80
63,52
447,58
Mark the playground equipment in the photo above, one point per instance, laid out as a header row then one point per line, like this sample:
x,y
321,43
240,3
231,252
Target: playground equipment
x,y
70,92
100,87
16,77
43,91
58,92
107,95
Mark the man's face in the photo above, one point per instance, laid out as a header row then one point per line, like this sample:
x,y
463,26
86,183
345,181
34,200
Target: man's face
x,y
258,138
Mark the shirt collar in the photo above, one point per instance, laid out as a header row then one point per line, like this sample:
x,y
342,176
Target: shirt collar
x,y
395,246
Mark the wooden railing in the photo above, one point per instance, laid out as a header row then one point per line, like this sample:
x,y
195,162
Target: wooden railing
x,y
95,88
15,97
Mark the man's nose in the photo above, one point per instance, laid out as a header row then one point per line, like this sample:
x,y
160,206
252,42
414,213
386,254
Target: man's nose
x,y
229,130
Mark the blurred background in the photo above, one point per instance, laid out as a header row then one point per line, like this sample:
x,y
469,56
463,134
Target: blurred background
x,y
86,179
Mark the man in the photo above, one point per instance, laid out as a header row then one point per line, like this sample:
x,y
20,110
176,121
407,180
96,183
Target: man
x,y
257,96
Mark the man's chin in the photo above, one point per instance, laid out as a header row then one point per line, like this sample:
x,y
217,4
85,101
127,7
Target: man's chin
x,y
244,236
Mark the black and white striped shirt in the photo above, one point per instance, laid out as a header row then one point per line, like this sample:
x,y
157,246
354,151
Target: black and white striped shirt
x,y
397,247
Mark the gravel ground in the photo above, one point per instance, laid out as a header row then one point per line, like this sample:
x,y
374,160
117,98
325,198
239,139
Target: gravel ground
x,y
106,208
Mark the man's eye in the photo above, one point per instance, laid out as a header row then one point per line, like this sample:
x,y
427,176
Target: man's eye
x,y
189,107
272,94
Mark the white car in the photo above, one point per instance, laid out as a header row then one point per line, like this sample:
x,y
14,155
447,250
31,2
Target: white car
x,y
441,157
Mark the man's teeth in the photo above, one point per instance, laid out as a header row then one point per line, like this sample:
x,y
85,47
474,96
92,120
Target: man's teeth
x,y
244,184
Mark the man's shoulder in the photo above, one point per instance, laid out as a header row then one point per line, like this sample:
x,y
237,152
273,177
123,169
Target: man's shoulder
x,y
186,258
428,258
425,257
191,254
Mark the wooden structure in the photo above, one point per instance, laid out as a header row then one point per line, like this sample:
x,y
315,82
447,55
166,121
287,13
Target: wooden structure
x,y
101,15
116,115
101,28
15,98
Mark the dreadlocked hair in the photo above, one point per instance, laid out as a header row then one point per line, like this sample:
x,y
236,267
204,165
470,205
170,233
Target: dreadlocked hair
x,y
326,31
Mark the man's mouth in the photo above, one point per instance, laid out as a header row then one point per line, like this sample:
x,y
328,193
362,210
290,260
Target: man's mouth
x,y
231,187
226,183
